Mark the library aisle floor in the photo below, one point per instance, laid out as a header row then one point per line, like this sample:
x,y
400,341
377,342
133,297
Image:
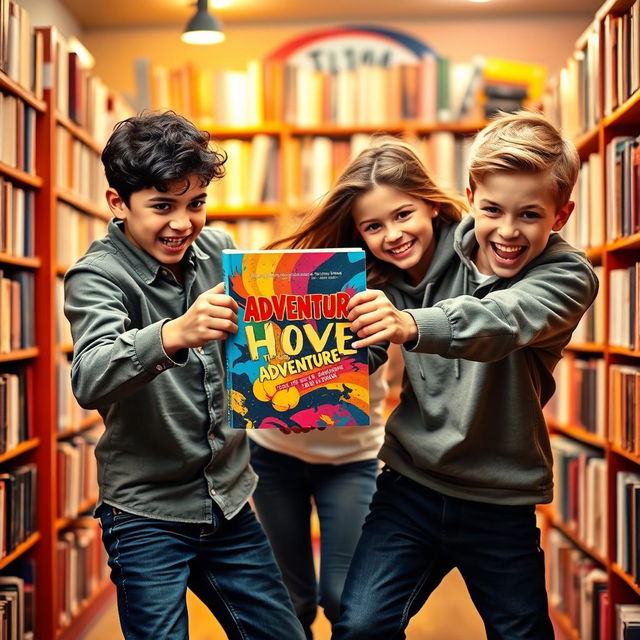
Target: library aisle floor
x,y
449,615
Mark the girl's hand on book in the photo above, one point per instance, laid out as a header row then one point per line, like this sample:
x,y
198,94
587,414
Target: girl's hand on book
x,y
213,316
289,430
374,319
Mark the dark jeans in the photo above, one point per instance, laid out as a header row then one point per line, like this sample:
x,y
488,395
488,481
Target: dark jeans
x,y
228,564
342,494
414,536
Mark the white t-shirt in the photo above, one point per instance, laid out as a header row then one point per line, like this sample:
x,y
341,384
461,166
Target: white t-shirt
x,y
334,445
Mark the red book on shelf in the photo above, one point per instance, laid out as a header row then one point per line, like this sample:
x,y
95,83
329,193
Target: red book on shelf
x,y
605,613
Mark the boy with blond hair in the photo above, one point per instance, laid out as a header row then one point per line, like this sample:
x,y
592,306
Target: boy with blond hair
x,y
467,454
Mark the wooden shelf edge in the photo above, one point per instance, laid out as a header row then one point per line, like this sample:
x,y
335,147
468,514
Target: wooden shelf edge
x,y
87,423
63,523
623,351
77,131
577,433
24,94
22,447
623,575
548,512
78,202
89,612
22,354
625,243
243,212
625,454
591,347
28,179
20,549
20,261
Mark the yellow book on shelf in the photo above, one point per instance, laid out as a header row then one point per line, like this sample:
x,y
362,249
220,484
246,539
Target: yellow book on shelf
x,y
534,76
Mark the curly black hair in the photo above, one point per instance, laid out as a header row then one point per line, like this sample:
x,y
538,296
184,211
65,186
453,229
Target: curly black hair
x,y
151,150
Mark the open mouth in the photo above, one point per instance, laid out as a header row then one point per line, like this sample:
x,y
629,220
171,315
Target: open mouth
x,y
174,244
507,252
401,249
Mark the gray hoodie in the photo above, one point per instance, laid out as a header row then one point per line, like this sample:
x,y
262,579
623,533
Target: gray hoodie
x,y
469,423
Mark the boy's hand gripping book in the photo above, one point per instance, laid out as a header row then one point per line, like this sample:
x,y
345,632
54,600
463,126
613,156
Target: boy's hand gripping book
x,y
291,363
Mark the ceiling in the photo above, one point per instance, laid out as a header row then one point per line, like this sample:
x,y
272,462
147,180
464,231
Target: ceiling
x,y
137,13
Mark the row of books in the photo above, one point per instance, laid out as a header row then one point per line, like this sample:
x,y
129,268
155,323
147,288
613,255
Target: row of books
x,y
78,168
70,414
17,604
433,89
624,403
591,327
628,522
82,565
17,506
622,187
580,495
76,230
574,100
585,227
577,587
252,173
15,424
579,399
621,34
21,48
77,472
624,287
16,219
18,133
17,291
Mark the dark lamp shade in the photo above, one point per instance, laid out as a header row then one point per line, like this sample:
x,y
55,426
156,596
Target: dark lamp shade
x,y
203,28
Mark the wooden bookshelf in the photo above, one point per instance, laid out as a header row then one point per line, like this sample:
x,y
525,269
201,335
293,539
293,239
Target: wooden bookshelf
x,y
615,253
21,170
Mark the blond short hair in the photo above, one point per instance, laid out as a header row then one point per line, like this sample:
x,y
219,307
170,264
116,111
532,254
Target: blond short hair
x,y
525,142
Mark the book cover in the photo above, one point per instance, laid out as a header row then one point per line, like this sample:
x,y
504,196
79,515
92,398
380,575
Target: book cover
x,y
291,363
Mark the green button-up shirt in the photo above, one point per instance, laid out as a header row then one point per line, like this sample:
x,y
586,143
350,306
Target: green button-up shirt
x,y
167,451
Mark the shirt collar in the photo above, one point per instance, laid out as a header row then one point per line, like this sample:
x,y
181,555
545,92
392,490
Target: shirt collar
x,y
145,265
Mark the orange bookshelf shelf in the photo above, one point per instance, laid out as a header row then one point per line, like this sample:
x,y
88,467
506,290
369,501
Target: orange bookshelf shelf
x,y
23,447
621,573
7,84
590,347
63,523
87,423
242,212
19,550
561,620
78,132
20,261
18,175
628,242
634,457
22,354
80,203
577,433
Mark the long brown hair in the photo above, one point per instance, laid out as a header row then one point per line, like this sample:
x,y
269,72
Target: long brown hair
x,y
388,161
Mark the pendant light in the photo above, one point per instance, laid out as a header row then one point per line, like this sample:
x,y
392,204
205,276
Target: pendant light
x,y
203,28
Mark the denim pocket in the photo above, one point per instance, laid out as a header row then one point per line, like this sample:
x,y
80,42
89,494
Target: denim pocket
x,y
120,516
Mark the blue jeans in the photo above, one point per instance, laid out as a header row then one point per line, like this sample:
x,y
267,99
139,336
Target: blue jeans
x,y
228,564
342,494
414,536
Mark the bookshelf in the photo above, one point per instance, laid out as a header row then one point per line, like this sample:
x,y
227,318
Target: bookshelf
x,y
54,127
595,419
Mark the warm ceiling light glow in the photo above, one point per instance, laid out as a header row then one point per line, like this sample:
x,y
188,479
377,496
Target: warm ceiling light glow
x,y
478,1
203,28
203,37
220,4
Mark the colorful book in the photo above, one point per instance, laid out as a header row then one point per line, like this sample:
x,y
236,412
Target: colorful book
x,y
291,363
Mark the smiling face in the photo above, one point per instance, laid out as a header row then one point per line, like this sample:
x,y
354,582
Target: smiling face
x,y
397,228
164,224
514,216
